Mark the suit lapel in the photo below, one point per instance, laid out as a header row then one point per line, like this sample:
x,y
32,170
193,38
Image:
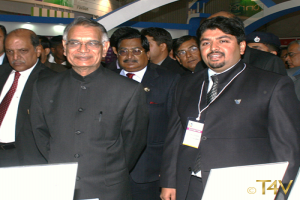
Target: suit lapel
x,y
149,76
25,100
4,73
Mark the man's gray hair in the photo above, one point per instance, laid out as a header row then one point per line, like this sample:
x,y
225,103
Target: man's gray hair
x,y
294,42
83,21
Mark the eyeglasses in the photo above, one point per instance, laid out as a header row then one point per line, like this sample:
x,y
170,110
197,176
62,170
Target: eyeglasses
x,y
125,52
74,44
192,49
290,54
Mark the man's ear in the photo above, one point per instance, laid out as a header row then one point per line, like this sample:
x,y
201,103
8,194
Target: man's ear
x,y
105,48
64,42
242,47
178,59
115,50
38,50
163,47
47,51
148,55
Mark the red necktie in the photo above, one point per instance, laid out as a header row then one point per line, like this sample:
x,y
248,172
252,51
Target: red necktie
x,y
130,75
7,99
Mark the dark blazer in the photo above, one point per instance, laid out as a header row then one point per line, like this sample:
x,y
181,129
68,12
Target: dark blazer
x,y
99,121
159,85
257,58
112,65
262,128
25,145
56,67
173,65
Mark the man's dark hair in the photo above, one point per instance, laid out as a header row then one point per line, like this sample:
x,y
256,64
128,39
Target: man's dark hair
x,y
34,40
159,35
132,35
3,29
231,26
178,42
44,42
55,41
119,33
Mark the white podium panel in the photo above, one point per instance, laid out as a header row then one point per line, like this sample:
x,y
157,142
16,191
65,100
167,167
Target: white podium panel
x,y
245,182
38,182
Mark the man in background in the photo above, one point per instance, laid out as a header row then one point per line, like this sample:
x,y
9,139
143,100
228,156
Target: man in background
x,y
3,58
114,43
159,85
160,42
45,51
187,52
293,57
57,52
17,145
263,41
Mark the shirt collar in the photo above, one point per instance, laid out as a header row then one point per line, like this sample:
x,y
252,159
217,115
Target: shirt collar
x,y
138,74
211,72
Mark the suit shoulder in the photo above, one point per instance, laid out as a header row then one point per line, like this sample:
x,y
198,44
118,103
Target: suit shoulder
x,y
163,71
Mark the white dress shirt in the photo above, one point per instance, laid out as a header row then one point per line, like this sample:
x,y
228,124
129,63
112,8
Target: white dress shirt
x,y
2,58
138,76
8,127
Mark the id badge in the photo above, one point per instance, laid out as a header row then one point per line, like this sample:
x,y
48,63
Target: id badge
x,y
193,133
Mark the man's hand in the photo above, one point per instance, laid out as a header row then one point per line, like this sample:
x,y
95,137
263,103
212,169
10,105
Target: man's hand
x,y
168,194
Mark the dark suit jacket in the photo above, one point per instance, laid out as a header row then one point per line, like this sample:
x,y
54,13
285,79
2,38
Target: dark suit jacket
x,y
257,58
81,119
161,84
25,145
112,65
173,65
263,128
56,67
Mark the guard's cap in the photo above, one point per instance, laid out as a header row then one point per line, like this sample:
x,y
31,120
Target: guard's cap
x,y
263,37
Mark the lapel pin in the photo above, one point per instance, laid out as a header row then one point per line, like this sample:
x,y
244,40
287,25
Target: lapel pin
x,y
147,89
238,101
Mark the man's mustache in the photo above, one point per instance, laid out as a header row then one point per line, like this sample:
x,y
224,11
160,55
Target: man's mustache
x,y
128,60
223,54
18,61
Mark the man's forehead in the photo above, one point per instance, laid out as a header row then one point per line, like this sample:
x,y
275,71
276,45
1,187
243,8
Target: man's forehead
x,y
17,37
294,47
188,44
212,33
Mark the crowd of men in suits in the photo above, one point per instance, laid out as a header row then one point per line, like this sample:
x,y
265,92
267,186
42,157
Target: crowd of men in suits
x,y
131,138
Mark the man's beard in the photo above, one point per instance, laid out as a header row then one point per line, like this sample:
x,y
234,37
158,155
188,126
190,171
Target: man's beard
x,y
216,65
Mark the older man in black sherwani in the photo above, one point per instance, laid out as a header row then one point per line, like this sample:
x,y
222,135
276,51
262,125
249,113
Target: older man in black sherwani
x,y
91,115
250,116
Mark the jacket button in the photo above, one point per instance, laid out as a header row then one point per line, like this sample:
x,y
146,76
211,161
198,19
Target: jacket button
x,y
80,109
77,178
204,138
76,155
190,169
83,87
78,132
